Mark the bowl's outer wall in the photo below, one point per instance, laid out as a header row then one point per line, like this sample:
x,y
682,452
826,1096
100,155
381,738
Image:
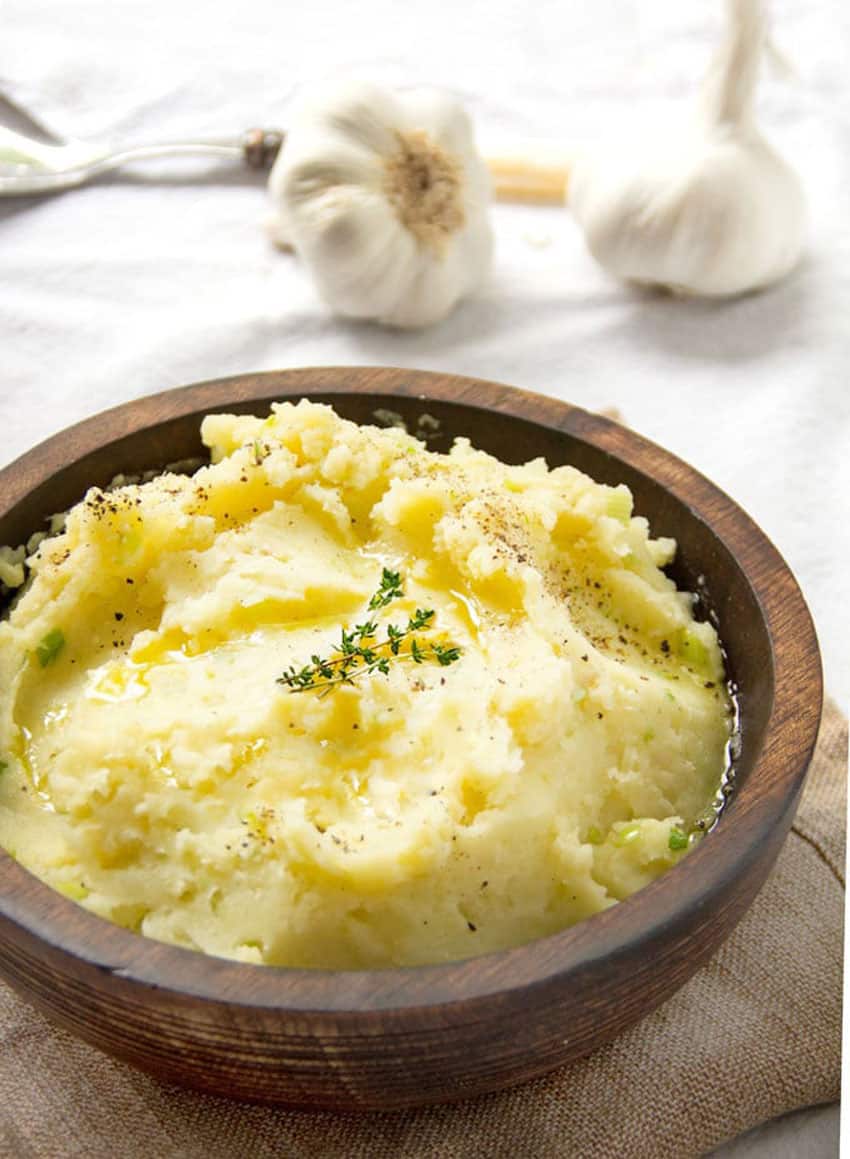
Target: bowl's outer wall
x,y
401,1037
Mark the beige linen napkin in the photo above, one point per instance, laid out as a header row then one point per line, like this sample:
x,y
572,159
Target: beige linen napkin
x,y
757,1032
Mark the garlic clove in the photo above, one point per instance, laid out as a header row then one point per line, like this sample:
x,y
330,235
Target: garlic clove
x,y
386,200
333,164
328,160
434,291
354,111
449,125
361,263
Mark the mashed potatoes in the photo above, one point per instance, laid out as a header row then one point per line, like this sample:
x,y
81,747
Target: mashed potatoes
x,y
157,772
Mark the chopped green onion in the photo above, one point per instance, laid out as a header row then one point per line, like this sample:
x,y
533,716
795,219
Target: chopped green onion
x,y
678,839
595,835
627,834
50,646
620,504
692,649
3,766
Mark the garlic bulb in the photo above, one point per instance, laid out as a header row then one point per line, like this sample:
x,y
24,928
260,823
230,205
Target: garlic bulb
x,y
386,200
709,210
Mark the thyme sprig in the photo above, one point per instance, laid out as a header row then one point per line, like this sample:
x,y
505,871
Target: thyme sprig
x,y
361,652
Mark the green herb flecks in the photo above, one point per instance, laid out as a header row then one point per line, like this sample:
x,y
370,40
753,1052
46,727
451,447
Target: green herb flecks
x,y
361,651
678,839
49,647
626,834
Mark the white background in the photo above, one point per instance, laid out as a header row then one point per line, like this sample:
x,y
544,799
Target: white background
x,y
145,282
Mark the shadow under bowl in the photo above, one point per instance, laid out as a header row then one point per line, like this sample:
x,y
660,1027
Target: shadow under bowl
x,y
400,1037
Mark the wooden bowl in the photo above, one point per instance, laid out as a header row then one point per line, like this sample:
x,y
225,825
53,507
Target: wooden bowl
x,y
401,1037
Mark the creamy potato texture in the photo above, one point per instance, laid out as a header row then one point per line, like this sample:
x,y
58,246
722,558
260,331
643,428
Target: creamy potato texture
x,y
156,772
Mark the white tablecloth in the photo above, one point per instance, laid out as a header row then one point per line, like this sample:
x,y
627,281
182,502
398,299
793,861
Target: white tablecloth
x,y
166,277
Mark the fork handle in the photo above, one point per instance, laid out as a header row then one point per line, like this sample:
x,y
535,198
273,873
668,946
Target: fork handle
x,y
260,147
257,148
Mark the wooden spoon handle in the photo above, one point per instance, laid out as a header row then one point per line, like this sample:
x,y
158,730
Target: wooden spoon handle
x,y
518,179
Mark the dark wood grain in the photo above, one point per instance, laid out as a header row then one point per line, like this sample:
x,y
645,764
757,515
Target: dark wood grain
x,y
392,1038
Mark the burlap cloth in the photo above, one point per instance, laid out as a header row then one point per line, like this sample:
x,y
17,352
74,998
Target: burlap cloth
x,y
757,1032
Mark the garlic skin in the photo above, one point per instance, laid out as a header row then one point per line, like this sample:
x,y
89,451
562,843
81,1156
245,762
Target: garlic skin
x,y
711,209
386,200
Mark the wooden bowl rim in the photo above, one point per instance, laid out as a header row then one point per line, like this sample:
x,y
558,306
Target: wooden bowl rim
x,y
649,915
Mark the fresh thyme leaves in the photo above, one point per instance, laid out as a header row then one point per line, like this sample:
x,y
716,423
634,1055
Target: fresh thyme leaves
x,y
389,590
361,651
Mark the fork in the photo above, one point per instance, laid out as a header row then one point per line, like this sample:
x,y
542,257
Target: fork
x,y
29,166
